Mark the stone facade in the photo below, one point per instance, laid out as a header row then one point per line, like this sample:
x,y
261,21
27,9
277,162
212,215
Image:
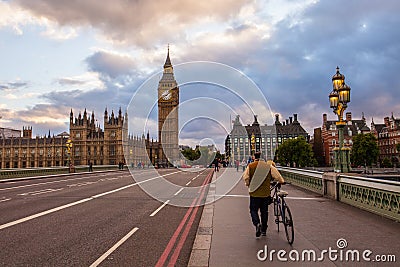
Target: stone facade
x,y
24,152
168,121
267,138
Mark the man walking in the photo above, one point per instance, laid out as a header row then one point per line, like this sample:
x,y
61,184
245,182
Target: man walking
x,y
257,177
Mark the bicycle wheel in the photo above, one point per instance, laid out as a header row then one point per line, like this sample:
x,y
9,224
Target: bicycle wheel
x,y
288,223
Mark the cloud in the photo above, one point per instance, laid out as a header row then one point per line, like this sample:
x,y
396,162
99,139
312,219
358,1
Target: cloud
x,y
110,64
17,18
12,85
41,117
143,23
70,81
88,81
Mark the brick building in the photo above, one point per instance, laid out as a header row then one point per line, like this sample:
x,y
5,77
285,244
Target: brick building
x,y
388,135
330,135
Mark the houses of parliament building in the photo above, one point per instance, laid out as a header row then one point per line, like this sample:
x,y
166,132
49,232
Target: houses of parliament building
x,y
109,145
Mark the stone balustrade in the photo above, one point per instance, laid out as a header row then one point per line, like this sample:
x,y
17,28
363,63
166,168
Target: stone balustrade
x,y
31,172
372,194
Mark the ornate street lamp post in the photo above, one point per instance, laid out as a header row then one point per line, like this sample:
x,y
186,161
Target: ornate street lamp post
x,y
338,98
253,142
69,147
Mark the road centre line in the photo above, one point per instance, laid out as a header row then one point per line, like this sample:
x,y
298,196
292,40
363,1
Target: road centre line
x,y
180,190
52,182
113,248
6,199
39,192
34,216
157,210
188,183
59,181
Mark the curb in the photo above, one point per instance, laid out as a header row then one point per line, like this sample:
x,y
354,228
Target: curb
x,y
200,254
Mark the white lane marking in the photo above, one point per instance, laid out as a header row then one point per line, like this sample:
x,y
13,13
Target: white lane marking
x,y
180,190
75,203
48,191
113,248
82,184
52,182
3,226
38,192
305,198
188,183
4,200
157,210
298,198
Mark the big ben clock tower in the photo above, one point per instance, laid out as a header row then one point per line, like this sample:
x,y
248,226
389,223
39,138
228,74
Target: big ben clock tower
x,y
168,102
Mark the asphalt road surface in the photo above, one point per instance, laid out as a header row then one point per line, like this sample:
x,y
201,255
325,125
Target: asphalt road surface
x,y
98,219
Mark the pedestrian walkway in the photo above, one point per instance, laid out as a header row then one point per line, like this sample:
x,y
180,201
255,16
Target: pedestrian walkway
x,y
226,236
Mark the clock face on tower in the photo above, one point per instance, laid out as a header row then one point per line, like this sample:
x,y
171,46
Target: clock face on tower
x,y
166,95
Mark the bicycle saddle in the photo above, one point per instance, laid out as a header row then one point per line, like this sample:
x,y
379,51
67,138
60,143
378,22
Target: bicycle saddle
x,y
283,193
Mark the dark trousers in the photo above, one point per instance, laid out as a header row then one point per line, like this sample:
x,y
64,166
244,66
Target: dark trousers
x,y
259,204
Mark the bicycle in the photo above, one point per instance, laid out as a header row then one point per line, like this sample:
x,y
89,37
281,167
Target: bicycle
x,y
282,212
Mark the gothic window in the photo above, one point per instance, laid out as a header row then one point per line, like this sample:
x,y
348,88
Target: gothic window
x,y
78,135
1,152
112,134
41,152
33,151
49,152
16,152
58,152
112,150
24,153
77,151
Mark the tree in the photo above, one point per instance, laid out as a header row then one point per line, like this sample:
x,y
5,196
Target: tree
x,y
365,150
296,152
191,154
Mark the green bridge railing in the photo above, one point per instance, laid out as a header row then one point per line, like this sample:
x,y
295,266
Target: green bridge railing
x,y
375,195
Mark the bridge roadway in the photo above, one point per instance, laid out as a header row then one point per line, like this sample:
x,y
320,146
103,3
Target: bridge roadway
x,y
319,223
95,219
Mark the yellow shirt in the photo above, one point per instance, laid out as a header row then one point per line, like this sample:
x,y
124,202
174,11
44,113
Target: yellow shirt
x,y
261,171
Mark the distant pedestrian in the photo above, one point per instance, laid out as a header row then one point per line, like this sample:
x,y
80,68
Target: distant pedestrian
x,y
216,165
90,166
257,178
237,165
244,164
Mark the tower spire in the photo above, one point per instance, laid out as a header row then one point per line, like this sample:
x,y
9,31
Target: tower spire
x,y
168,61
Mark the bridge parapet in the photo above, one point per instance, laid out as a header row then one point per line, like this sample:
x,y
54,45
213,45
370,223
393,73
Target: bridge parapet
x,y
7,174
375,195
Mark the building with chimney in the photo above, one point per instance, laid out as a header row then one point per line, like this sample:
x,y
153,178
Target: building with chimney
x,y
330,134
244,140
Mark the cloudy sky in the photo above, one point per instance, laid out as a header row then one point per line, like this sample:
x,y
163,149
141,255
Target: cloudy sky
x,y
57,55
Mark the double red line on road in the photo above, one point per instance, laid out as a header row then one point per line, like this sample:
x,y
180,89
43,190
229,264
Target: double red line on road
x,y
192,211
